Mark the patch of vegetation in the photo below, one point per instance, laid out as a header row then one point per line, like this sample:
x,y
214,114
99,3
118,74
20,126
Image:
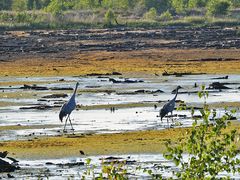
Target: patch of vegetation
x,y
98,13
151,14
218,7
210,149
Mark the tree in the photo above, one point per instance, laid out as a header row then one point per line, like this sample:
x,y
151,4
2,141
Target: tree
x,y
218,7
19,5
5,4
179,5
197,3
236,3
151,14
110,17
159,5
56,7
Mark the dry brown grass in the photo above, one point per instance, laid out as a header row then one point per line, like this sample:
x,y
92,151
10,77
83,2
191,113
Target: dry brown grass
x,y
131,62
151,141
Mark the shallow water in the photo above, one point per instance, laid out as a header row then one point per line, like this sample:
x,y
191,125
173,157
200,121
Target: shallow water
x,y
64,168
103,120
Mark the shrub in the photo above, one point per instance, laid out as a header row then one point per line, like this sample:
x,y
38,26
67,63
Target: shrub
x,y
56,7
218,7
211,148
109,17
19,5
197,3
179,5
166,16
151,14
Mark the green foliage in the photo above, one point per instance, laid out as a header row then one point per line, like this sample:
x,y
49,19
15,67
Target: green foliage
x,y
115,170
56,7
236,3
159,5
218,7
110,17
19,5
197,3
179,5
33,4
5,4
166,16
151,14
211,149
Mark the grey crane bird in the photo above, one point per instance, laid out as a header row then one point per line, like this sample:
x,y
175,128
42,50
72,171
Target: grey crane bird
x,y
68,107
169,106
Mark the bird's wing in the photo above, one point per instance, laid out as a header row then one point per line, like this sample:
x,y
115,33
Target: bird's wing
x,y
62,111
63,106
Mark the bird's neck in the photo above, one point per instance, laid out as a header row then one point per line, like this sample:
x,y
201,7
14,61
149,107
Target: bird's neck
x,y
176,94
75,90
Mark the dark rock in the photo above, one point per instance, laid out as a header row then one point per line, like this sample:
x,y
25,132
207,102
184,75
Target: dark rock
x,y
111,158
56,96
125,81
7,167
218,85
71,164
3,154
165,73
92,86
33,87
40,107
225,77
116,73
49,163
10,176
106,74
61,89
82,152
13,160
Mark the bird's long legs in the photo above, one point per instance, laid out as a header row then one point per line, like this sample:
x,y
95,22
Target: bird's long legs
x,y
71,123
172,116
65,124
68,117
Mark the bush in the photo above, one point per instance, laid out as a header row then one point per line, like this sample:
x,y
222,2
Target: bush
x,y
56,7
218,7
19,5
109,17
179,5
151,14
166,16
211,148
197,3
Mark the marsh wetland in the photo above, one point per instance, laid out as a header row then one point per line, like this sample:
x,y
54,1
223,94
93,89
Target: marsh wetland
x,y
121,91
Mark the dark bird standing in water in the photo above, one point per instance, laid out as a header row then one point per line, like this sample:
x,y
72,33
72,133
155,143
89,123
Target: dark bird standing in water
x,y
68,107
169,106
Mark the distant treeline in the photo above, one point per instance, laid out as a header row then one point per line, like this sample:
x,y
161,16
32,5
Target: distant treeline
x,y
159,5
130,13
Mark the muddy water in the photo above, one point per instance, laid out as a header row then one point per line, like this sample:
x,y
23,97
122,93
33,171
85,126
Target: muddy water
x,y
74,167
95,91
